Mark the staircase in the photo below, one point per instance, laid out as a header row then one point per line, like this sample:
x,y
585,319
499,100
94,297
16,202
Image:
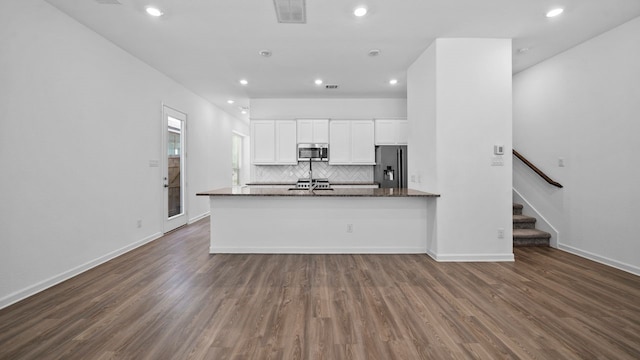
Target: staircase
x,y
524,230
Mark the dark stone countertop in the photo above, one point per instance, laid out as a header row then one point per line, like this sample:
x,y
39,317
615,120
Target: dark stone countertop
x,y
275,183
354,192
272,183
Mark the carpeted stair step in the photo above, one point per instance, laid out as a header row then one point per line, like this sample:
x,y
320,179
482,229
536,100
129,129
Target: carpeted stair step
x,y
524,222
517,209
530,237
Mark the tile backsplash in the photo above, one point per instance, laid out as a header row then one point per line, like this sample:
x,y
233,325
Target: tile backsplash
x,y
291,173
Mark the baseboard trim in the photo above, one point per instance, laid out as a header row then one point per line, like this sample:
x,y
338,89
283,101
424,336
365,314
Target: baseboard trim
x,y
54,280
317,250
600,259
199,217
471,257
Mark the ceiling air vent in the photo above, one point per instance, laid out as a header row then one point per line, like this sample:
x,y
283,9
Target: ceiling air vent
x,y
331,86
108,2
290,11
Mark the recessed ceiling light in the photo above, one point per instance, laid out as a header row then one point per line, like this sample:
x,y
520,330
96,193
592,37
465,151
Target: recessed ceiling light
x,y
555,12
230,101
265,53
374,52
360,11
154,11
523,50
393,81
244,112
318,81
244,81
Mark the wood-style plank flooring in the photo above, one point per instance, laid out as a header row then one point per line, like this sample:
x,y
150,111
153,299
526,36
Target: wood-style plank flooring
x,y
170,299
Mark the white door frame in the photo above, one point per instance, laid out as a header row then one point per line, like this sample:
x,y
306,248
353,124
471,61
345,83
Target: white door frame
x,y
171,223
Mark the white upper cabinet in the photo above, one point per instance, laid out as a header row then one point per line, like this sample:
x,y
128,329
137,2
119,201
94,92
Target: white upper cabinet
x,y
305,131
286,147
351,142
339,142
273,142
313,131
392,132
263,142
363,149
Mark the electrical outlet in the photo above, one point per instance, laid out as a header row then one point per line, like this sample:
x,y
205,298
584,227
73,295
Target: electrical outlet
x,y
561,162
139,224
413,178
349,228
500,233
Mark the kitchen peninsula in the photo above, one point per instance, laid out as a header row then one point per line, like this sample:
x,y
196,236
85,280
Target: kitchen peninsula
x,y
357,220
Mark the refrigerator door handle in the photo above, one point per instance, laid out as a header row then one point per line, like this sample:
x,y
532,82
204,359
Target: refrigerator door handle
x,y
401,167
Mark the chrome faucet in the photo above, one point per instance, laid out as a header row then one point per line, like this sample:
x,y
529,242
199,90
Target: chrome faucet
x,y
312,184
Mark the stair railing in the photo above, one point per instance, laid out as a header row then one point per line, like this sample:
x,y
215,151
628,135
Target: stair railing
x,y
536,170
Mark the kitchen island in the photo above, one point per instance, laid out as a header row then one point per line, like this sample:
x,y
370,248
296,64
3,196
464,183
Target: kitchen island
x,y
267,220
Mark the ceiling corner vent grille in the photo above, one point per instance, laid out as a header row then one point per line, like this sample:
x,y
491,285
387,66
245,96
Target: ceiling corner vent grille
x,y
108,2
332,86
291,11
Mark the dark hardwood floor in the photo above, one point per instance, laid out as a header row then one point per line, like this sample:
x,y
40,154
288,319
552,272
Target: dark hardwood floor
x,y
172,300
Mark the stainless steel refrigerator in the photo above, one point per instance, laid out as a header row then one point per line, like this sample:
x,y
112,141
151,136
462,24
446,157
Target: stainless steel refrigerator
x,y
391,166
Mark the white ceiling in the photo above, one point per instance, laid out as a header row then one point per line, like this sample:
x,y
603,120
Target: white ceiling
x,y
209,45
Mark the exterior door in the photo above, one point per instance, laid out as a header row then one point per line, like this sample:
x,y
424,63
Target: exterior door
x,y
174,130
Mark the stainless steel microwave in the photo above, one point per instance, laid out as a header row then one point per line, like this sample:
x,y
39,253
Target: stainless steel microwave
x,y
313,152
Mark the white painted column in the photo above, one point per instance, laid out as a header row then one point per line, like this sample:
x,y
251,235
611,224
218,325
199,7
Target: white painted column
x,y
459,106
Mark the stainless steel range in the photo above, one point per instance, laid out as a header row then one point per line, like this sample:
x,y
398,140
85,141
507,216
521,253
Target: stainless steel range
x,y
315,184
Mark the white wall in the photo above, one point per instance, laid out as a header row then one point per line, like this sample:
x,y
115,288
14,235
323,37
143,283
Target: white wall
x,y
81,119
421,109
459,100
284,109
583,106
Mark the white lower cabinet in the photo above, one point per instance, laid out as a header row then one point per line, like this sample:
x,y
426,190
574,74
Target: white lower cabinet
x,y
351,142
273,142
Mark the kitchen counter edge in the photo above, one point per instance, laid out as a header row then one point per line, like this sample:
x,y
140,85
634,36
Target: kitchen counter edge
x,y
347,183
379,192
